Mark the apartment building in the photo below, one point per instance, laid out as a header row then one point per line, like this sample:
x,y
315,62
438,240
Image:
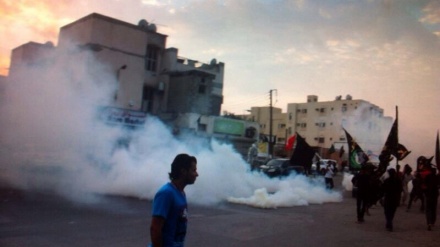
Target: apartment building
x,y
261,115
150,78
322,123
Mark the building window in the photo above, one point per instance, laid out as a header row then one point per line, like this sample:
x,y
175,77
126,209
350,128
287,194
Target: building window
x,y
321,140
322,110
344,107
151,58
304,111
147,99
303,125
290,116
202,89
201,127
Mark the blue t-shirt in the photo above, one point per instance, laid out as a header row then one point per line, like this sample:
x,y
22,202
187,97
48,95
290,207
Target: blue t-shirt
x,y
170,204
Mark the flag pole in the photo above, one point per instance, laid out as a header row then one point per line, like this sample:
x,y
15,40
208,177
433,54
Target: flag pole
x,y
437,152
397,133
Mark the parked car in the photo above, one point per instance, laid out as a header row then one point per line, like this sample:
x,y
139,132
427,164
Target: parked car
x,y
280,167
321,165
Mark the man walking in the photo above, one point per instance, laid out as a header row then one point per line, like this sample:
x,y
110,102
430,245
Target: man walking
x,y
169,217
392,188
361,182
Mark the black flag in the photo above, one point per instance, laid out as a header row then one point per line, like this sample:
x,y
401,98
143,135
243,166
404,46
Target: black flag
x,y
356,156
437,153
402,152
392,142
302,154
392,145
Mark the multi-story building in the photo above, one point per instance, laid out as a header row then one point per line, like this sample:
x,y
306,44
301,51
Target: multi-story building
x,y
2,87
149,73
148,77
261,115
322,123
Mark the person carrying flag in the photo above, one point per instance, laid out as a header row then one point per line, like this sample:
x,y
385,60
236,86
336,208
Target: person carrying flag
x,y
430,186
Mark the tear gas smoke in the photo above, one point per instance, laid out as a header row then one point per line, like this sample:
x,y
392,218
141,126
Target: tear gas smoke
x,y
52,140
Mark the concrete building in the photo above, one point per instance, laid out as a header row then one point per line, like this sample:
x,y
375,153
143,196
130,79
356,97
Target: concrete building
x,y
322,123
261,115
2,88
147,71
31,54
149,78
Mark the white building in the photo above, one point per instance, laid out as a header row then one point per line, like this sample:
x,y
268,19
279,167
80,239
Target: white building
x,y
322,123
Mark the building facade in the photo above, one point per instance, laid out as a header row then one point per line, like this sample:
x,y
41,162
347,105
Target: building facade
x,y
146,71
261,115
322,123
148,77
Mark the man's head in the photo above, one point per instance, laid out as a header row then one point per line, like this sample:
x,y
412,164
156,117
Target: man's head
x,y
184,167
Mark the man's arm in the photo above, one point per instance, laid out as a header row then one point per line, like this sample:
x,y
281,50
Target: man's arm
x,y
157,224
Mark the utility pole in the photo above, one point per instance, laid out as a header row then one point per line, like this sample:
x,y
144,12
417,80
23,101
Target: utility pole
x,y
270,124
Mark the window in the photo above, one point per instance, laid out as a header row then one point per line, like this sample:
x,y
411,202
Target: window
x,y
344,107
201,127
303,125
321,140
304,110
290,116
202,86
202,89
151,58
322,110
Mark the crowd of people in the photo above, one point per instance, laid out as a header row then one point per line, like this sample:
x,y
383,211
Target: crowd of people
x,y
390,187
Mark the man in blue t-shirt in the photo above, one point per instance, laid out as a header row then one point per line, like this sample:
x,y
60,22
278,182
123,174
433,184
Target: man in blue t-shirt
x,y
169,221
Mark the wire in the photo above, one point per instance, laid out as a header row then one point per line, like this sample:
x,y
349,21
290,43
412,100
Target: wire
x,y
238,105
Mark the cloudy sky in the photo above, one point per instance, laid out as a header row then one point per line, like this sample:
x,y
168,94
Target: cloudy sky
x,y
384,51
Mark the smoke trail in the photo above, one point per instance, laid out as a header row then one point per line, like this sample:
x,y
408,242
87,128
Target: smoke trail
x,y
54,141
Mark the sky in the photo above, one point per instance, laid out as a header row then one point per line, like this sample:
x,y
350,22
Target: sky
x,y
386,52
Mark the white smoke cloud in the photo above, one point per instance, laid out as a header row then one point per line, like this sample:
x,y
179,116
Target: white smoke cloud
x,y
54,141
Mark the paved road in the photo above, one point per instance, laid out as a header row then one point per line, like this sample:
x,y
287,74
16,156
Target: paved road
x,y
35,219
